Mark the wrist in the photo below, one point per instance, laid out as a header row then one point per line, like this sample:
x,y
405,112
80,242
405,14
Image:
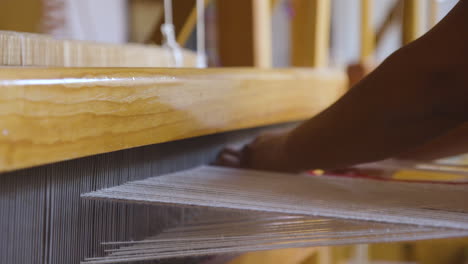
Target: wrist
x,y
297,153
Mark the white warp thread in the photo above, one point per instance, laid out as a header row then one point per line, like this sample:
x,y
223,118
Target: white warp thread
x,y
25,49
254,231
436,205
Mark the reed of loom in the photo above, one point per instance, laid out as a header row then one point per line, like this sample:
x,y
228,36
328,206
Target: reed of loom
x,y
68,131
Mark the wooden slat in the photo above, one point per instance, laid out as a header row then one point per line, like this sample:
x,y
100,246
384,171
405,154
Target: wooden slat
x,y
284,256
189,25
411,20
143,15
234,30
49,115
181,13
262,33
310,33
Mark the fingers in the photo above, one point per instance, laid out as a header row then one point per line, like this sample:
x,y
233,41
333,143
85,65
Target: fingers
x,y
228,160
232,151
229,157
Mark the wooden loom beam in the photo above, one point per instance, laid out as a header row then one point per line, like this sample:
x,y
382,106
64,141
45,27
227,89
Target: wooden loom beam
x,y
55,114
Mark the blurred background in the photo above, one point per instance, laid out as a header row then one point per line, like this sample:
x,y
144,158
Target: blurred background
x,y
228,25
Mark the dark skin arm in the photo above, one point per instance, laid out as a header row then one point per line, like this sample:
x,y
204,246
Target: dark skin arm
x,y
418,95
451,144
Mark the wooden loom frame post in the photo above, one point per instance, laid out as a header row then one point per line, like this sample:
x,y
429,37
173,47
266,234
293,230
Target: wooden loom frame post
x,y
368,37
244,32
189,25
411,20
262,31
311,33
234,32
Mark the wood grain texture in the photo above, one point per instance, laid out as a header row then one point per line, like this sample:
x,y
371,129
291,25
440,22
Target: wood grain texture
x,y
49,115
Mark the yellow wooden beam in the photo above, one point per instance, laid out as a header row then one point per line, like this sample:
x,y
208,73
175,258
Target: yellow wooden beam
x,y
367,31
411,20
283,256
55,114
310,33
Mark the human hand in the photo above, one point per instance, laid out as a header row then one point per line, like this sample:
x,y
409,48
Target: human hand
x,y
266,152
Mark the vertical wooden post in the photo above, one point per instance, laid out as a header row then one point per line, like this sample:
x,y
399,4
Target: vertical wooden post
x,y
262,33
235,32
411,20
181,12
310,33
189,25
367,31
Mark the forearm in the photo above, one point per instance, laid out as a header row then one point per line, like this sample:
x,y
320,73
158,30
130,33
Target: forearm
x,y
451,144
366,126
419,94
330,141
